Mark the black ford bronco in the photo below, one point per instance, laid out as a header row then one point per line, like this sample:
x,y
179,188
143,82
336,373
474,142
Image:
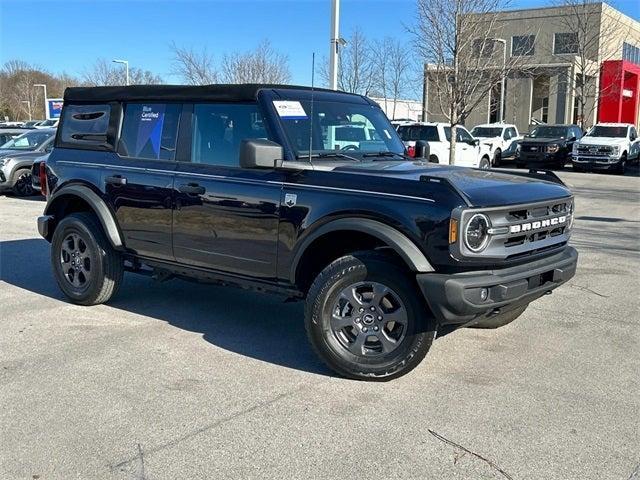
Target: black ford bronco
x,y
307,193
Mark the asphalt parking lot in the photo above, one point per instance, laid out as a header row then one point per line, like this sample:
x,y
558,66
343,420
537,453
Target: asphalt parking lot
x,y
177,380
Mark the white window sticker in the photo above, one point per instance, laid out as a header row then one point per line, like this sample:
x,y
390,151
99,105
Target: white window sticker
x,y
290,109
387,134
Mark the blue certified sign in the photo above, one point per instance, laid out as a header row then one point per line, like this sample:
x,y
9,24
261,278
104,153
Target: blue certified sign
x,y
54,107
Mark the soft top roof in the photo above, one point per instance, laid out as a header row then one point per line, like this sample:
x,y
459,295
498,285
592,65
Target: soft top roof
x,y
216,92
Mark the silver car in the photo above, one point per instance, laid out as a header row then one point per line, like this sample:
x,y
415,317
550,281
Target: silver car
x,y
17,156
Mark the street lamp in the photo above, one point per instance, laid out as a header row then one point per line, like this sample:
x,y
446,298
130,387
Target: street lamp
x,y
28,107
336,42
504,66
126,65
46,109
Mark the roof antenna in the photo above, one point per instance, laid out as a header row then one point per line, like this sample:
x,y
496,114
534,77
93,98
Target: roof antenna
x,y
313,76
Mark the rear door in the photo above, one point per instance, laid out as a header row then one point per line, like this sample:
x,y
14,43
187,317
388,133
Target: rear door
x,y
139,181
226,217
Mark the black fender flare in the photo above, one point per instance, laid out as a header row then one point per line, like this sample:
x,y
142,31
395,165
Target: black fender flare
x,y
99,207
398,241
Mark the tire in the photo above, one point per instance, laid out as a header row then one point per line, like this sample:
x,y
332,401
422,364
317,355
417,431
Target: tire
x,y
501,319
485,163
496,157
433,159
622,166
22,183
97,273
348,336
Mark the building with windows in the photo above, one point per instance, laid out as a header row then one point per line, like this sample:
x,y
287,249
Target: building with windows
x,y
570,64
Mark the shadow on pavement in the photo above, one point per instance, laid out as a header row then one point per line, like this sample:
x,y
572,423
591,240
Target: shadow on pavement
x,y
251,324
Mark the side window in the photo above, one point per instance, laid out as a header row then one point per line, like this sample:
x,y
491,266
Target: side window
x,y
85,124
506,135
512,132
577,133
218,130
634,134
462,135
447,133
150,130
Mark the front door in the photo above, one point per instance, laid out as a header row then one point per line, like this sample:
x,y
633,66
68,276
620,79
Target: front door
x,y
226,218
138,182
466,152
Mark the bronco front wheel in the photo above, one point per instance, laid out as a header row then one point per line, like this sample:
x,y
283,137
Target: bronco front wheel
x,y
366,319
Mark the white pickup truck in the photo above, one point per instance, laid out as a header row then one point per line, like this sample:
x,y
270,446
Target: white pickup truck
x,y
469,151
607,146
501,138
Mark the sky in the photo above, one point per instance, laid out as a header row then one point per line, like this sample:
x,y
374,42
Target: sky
x,y
69,36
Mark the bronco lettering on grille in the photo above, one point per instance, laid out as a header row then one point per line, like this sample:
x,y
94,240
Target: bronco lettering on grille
x,y
546,223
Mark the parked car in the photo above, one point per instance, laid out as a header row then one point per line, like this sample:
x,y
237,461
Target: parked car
x,y
607,146
11,124
469,151
7,134
237,184
548,146
32,123
17,156
50,123
501,138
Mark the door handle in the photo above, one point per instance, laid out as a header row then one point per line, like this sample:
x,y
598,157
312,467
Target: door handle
x,y
192,189
115,180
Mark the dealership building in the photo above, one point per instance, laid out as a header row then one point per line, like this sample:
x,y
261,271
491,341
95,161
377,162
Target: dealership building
x,y
552,59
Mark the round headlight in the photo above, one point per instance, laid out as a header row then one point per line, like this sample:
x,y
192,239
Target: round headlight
x,y
476,233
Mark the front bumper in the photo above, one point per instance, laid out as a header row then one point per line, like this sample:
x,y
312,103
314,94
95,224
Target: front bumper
x,y
542,158
595,163
455,298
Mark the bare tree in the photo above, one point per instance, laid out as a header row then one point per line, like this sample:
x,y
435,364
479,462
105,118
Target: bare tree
x,y
17,86
194,68
456,41
262,65
106,73
588,42
400,65
355,66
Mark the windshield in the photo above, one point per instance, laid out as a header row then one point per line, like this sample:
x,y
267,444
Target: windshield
x,y
27,141
601,131
412,133
338,127
486,132
549,132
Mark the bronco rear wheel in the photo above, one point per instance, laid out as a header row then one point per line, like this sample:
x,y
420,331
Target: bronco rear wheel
x,y
366,319
87,268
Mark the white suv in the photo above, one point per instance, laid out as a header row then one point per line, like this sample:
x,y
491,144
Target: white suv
x,y
501,138
607,146
469,151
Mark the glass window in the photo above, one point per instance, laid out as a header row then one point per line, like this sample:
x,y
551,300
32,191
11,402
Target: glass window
x,y
631,53
522,46
607,131
565,43
633,135
512,133
486,132
483,47
150,130
218,130
355,128
412,133
28,141
447,134
544,131
85,124
462,135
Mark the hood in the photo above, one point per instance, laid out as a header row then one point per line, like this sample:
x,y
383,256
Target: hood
x,y
602,141
480,188
537,141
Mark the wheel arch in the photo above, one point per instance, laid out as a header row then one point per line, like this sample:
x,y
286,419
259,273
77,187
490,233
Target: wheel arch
x,y
74,198
374,234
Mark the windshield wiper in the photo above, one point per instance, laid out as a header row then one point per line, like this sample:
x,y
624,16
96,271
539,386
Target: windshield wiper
x,y
384,154
327,155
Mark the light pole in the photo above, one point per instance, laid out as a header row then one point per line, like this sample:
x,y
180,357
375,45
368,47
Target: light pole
x,y
504,66
126,65
336,42
28,107
46,109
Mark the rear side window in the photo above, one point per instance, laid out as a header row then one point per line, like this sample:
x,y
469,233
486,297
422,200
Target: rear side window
x,y
150,130
85,125
411,133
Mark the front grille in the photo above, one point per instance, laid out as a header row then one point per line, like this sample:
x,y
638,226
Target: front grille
x,y
532,148
595,150
523,229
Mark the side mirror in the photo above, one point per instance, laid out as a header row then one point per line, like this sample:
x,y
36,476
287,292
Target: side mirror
x,y
475,142
422,149
260,153
572,139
